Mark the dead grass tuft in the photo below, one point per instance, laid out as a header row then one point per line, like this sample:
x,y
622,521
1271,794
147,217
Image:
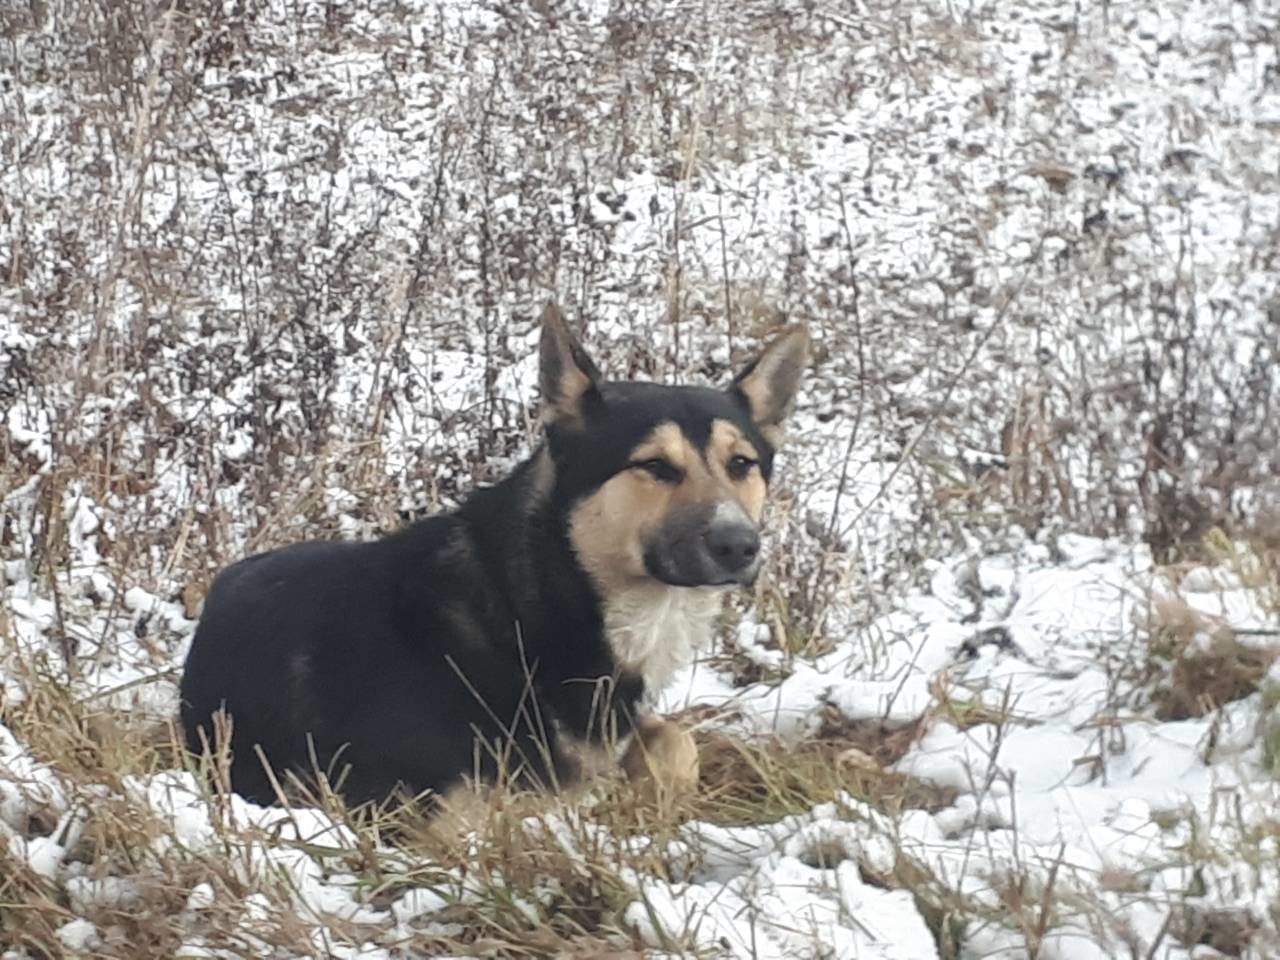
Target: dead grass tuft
x,y
764,779
1197,661
1203,680
1228,931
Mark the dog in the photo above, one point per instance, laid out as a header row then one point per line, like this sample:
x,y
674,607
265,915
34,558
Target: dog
x,y
494,641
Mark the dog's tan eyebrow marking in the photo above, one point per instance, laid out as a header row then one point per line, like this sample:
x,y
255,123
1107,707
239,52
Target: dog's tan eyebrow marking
x,y
665,442
728,441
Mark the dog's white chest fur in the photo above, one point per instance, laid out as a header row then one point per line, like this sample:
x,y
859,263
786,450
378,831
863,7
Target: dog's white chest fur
x,y
655,630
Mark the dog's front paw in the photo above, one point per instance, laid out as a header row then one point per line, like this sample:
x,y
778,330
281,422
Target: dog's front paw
x,y
662,760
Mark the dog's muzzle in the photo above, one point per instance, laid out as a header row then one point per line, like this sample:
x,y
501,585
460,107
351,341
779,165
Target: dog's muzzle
x,y
716,545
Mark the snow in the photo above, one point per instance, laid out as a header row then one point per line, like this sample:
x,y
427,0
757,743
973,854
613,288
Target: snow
x,y
799,911
78,935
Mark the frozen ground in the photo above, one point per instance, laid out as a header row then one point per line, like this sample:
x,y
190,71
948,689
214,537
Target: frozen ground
x,y
271,270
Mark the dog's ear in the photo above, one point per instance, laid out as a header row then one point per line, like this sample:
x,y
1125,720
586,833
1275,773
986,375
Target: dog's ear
x,y
568,378
768,383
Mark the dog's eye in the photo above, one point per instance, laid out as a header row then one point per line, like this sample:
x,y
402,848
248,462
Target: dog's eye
x,y
660,470
740,466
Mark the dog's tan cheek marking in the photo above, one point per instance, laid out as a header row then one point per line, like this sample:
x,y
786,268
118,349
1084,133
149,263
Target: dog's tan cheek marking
x,y
751,494
598,531
726,442
666,442
608,528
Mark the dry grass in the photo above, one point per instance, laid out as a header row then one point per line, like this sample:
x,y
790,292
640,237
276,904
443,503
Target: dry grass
x,y
763,780
1196,661
520,875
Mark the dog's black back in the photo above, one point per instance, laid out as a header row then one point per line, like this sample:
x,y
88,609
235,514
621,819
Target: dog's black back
x,y
484,640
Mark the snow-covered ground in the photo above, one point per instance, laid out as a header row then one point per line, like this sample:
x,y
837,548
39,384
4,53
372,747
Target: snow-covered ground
x,y
1065,783
271,270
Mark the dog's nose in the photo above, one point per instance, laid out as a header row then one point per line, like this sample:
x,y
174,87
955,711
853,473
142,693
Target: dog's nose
x,y
733,546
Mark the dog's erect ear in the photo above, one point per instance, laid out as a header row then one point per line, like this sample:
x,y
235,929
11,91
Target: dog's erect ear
x,y
566,374
768,384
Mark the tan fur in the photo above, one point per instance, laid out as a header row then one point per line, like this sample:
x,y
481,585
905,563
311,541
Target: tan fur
x,y
726,443
566,375
662,761
770,383
607,530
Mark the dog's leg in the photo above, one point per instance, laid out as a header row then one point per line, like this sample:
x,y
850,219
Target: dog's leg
x,y
662,760
598,707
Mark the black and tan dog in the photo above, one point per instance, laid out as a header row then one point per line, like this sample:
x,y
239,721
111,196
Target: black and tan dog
x,y
497,639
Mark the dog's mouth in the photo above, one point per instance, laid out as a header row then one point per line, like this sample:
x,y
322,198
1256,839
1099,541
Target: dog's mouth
x,y
720,580
695,567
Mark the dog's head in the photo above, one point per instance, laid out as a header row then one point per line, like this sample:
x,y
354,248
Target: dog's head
x,y
661,483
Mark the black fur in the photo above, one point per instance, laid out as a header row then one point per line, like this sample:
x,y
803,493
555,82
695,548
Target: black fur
x,y
406,660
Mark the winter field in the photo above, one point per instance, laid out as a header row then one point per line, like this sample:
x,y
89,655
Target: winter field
x,y
1009,687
